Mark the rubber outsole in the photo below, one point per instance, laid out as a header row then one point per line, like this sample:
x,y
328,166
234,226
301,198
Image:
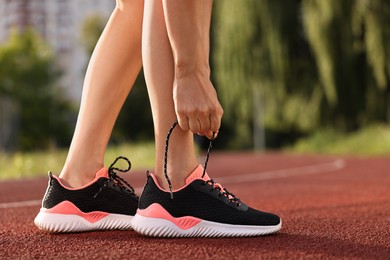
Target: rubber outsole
x,y
157,227
64,223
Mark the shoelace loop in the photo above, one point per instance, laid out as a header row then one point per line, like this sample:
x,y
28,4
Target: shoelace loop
x,y
114,177
223,191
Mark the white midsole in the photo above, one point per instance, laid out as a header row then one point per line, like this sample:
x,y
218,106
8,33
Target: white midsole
x,y
54,222
159,227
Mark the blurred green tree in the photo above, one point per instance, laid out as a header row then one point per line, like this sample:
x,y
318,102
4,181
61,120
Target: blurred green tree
x,y
27,77
349,41
91,30
296,66
264,68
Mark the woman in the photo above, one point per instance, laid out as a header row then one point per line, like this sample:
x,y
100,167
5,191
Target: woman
x,y
170,38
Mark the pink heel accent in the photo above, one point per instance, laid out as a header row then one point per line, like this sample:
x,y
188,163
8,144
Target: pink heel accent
x,y
68,208
197,174
157,211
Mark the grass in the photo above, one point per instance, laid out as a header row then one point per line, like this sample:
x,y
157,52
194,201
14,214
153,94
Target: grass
x,y
370,141
32,164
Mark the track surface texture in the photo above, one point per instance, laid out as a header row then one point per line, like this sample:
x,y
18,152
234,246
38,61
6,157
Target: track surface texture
x,y
331,208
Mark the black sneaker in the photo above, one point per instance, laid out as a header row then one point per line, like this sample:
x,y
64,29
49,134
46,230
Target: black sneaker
x,y
201,208
108,202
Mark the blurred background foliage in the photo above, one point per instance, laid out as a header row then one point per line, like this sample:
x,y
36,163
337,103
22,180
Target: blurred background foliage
x,y
28,91
284,70
312,64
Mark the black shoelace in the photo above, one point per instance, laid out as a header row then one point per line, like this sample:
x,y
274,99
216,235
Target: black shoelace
x,y
214,186
223,192
114,177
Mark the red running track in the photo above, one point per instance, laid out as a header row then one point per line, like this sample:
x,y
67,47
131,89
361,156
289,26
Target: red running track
x,y
331,208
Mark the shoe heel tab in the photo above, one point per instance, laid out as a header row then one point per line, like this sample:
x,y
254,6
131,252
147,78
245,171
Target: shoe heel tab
x,y
149,177
51,178
147,173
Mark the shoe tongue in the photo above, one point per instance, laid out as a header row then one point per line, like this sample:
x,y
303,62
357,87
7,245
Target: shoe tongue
x,y
197,174
103,172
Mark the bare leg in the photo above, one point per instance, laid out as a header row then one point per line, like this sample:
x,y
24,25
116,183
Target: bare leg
x,y
196,103
175,48
159,74
113,68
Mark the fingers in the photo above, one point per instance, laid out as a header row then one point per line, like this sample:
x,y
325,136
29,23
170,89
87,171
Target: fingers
x,y
201,123
198,123
194,125
197,106
215,122
204,121
210,134
183,121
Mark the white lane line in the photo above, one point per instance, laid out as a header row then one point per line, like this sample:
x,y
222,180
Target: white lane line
x,y
257,176
284,173
20,204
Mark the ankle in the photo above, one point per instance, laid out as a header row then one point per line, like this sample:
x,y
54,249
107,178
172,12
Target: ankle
x,y
177,174
76,177
181,158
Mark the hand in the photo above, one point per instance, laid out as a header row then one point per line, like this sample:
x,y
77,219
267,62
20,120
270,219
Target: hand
x,y
196,104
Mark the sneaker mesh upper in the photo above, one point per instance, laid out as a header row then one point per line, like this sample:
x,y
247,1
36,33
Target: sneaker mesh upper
x,y
198,201
111,200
